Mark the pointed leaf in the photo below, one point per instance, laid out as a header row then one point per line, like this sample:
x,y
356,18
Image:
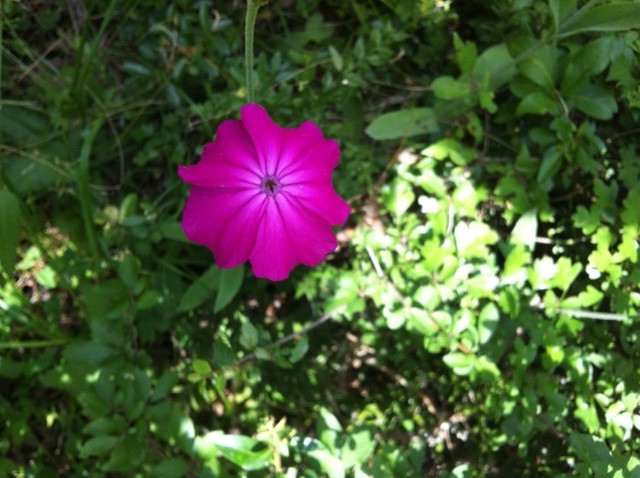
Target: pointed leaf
x,y
9,220
526,229
495,66
230,282
612,17
561,9
200,290
596,101
403,123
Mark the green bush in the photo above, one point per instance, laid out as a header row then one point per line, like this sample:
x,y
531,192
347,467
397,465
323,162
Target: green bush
x,y
478,317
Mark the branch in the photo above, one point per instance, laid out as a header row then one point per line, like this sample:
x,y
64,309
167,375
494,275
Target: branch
x,y
293,336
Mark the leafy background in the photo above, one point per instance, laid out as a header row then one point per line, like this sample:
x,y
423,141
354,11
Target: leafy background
x,y
478,317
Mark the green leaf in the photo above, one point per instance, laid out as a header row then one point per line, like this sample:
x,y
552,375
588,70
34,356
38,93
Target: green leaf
x,y
90,353
566,273
612,17
135,68
126,455
149,298
172,230
358,446
542,272
328,428
47,277
525,230
514,271
248,335
164,385
201,367
448,88
223,355
23,123
462,364
631,213
488,322
485,98
111,425
398,196
299,350
395,319
419,319
628,248
336,58
347,294
472,238
431,182
596,101
466,54
204,446
128,271
465,199
170,468
560,10
98,445
589,448
330,464
537,103
9,220
226,282
486,369
541,67
461,471
36,165
495,66
33,173
452,149
239,450
403,124
586,219
551,163
109,299
590,296
230,282
200,290
590,60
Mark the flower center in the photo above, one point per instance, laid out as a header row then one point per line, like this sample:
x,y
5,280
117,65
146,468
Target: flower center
x,y
270,185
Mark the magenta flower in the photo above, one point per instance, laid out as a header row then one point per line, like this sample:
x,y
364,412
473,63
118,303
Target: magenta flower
x,y
263,193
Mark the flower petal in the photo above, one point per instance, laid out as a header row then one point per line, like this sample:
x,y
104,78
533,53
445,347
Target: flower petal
x,y
226,222
314,165
221,175
289,235
297,143
321,199
228,161
265,134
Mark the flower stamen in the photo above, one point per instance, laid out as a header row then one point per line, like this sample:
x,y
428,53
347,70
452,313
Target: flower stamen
x,y
270,185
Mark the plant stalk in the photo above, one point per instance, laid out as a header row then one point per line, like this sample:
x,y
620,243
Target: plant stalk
x,y
249,28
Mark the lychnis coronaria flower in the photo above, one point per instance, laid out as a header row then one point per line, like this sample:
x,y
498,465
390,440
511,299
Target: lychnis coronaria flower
x,y
263,193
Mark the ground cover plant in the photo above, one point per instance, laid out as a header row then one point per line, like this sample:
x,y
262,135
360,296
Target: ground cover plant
x,y
477,318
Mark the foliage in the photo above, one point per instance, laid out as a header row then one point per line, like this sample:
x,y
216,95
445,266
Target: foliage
x,y
479,315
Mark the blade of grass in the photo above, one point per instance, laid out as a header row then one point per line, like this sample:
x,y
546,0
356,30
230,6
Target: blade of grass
x,y
82,177
80,74
31,344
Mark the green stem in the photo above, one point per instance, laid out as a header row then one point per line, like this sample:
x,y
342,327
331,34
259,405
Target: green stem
x,y
249,28
31,344
1,43
82,176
